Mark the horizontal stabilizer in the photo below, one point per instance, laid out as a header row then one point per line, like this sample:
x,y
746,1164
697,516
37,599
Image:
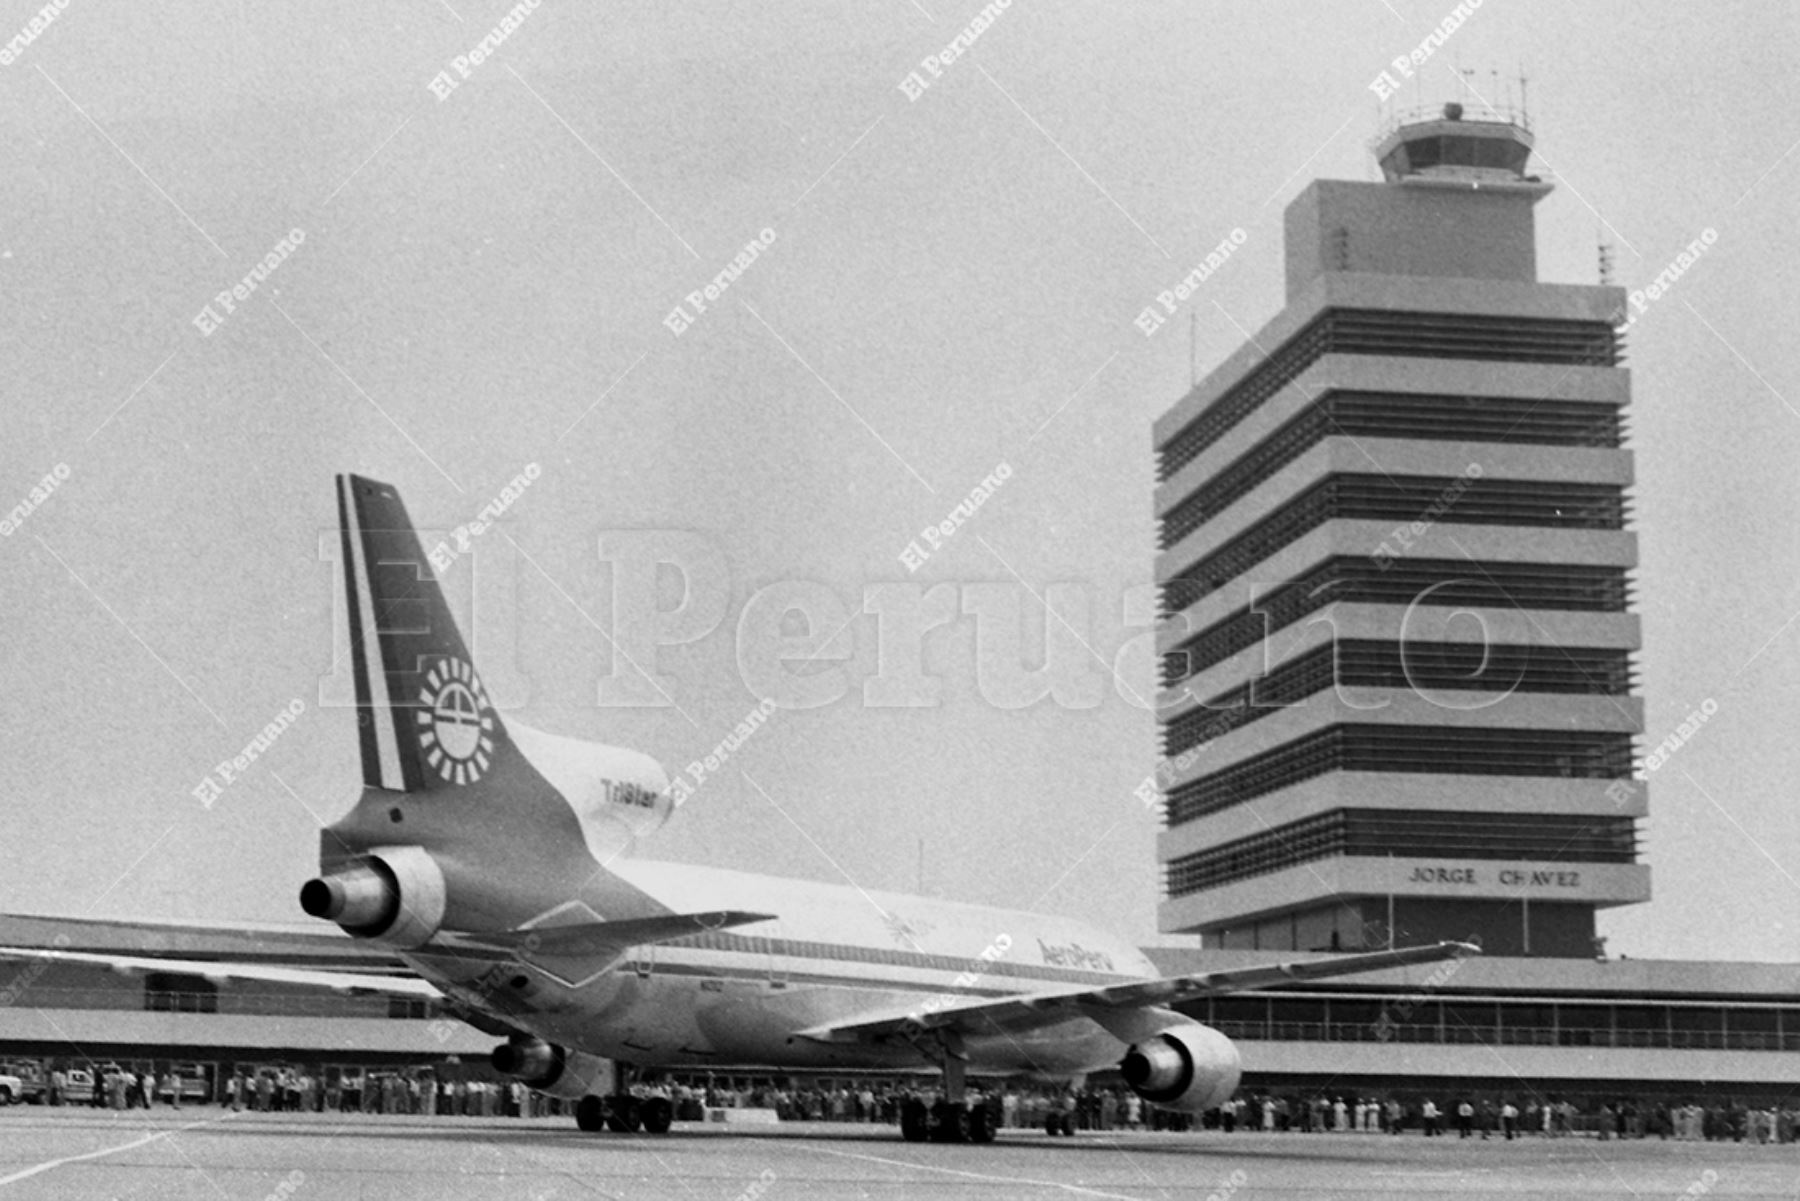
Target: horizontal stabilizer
x,y
604,940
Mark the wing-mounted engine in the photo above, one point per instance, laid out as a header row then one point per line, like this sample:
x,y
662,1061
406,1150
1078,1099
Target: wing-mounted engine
x,y
618,795
1189,1067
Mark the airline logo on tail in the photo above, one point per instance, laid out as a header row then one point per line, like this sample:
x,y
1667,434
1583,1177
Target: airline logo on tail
x,y
456,724
425,721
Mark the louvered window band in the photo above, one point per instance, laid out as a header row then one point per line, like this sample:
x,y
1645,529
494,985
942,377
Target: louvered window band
x,y
1408,834
1423,418
1356,579
1404,500
1425,667
1445,750
1396,333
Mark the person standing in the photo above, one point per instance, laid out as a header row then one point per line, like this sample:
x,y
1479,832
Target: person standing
x,y
1428,1117
1465,1118
1509,1118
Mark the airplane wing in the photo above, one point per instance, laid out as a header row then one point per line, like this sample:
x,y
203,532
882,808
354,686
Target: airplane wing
x,y
212,969
586,941
987,1015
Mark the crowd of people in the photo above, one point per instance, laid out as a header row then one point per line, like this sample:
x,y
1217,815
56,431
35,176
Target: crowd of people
x,y
879,1102
286,1089
1506,1118
291,1090
112,1087
1114,1109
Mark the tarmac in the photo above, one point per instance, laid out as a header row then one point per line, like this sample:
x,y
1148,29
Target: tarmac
x,y
206,1153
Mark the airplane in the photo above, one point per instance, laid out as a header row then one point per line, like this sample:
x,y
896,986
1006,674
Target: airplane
x,y
496,861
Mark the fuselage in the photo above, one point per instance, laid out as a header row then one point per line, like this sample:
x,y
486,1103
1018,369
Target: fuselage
x,y
837,953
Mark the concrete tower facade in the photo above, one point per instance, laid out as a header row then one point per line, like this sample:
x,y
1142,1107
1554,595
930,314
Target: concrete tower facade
x,y
1397,643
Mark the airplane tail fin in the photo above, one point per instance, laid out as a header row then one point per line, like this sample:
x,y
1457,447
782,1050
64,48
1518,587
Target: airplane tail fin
x,y
424,721
507,815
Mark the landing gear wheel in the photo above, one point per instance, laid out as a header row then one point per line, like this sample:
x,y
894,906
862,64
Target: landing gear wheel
x,y
658,1113
590,1114
622,1115
983,1123
915,1120
949,1122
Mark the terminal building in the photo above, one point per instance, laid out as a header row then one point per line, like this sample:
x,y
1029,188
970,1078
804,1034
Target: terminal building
x,y
70,1014
1397,639
1590,1031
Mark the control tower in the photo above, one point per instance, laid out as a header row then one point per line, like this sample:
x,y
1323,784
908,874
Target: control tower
x,y
1397,639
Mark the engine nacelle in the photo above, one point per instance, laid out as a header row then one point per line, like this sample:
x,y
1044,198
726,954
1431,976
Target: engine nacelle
x,y
394,895
1192,1068
550,1069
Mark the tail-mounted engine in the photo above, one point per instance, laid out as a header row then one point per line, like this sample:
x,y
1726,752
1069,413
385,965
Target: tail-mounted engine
x,y
550,1069
394,895
1191,1067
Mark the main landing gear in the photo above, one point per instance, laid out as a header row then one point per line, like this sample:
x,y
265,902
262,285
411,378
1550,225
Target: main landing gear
x,y
954,1118
976,1121
623,1112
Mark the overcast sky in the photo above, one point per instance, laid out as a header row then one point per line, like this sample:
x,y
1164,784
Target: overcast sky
x,y
483,283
